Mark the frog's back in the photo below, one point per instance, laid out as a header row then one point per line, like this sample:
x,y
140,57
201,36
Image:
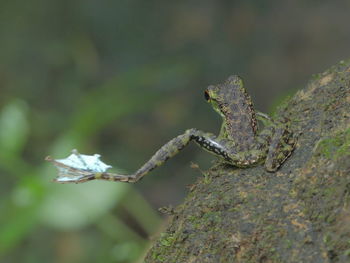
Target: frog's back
x,y
236,105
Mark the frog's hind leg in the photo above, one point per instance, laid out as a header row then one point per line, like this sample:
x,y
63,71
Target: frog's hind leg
x,y
207,141
280,141
281,147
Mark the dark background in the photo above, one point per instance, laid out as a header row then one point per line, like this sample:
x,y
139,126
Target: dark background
x,y
121,78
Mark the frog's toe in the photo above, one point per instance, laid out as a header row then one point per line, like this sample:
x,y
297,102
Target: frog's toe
x,y
271,166
275,159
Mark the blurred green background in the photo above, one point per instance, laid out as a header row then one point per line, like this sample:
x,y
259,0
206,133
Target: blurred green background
x,y
120,78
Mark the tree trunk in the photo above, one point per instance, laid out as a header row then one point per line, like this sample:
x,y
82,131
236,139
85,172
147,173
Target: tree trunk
x,y
301,213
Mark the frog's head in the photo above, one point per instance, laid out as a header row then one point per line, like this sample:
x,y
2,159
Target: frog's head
x,y
221,95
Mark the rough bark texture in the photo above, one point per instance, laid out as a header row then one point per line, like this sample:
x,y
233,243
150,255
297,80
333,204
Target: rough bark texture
x,y
301,213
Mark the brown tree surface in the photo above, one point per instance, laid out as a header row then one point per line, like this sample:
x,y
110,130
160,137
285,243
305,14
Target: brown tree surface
x,y
301,213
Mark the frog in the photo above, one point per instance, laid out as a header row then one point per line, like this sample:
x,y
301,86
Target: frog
x,y
240,143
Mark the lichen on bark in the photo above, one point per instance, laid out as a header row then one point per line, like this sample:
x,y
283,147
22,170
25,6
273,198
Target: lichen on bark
x,y
301,213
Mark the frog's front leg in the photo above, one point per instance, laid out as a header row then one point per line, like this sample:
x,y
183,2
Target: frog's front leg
x,y
207,141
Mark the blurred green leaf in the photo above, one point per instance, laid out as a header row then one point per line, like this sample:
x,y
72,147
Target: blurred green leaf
x,y
17,225
20,212
70,207
126,251
14,127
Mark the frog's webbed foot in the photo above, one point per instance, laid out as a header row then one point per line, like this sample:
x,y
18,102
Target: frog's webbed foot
x,y
80,168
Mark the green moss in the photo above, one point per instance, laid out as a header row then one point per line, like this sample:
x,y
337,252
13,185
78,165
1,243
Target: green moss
x,y
158,256
293,193
321,217
329,192
327,238
288,243
336,146
280,104
207,179
316,76
270,228
167,239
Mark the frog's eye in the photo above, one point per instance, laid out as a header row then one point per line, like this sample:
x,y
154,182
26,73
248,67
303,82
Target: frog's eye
x,y
206,95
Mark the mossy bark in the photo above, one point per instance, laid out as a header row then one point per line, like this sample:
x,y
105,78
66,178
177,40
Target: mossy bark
x,y
301,213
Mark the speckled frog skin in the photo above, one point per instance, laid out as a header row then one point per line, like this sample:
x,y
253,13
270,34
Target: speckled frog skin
x,y
239,143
